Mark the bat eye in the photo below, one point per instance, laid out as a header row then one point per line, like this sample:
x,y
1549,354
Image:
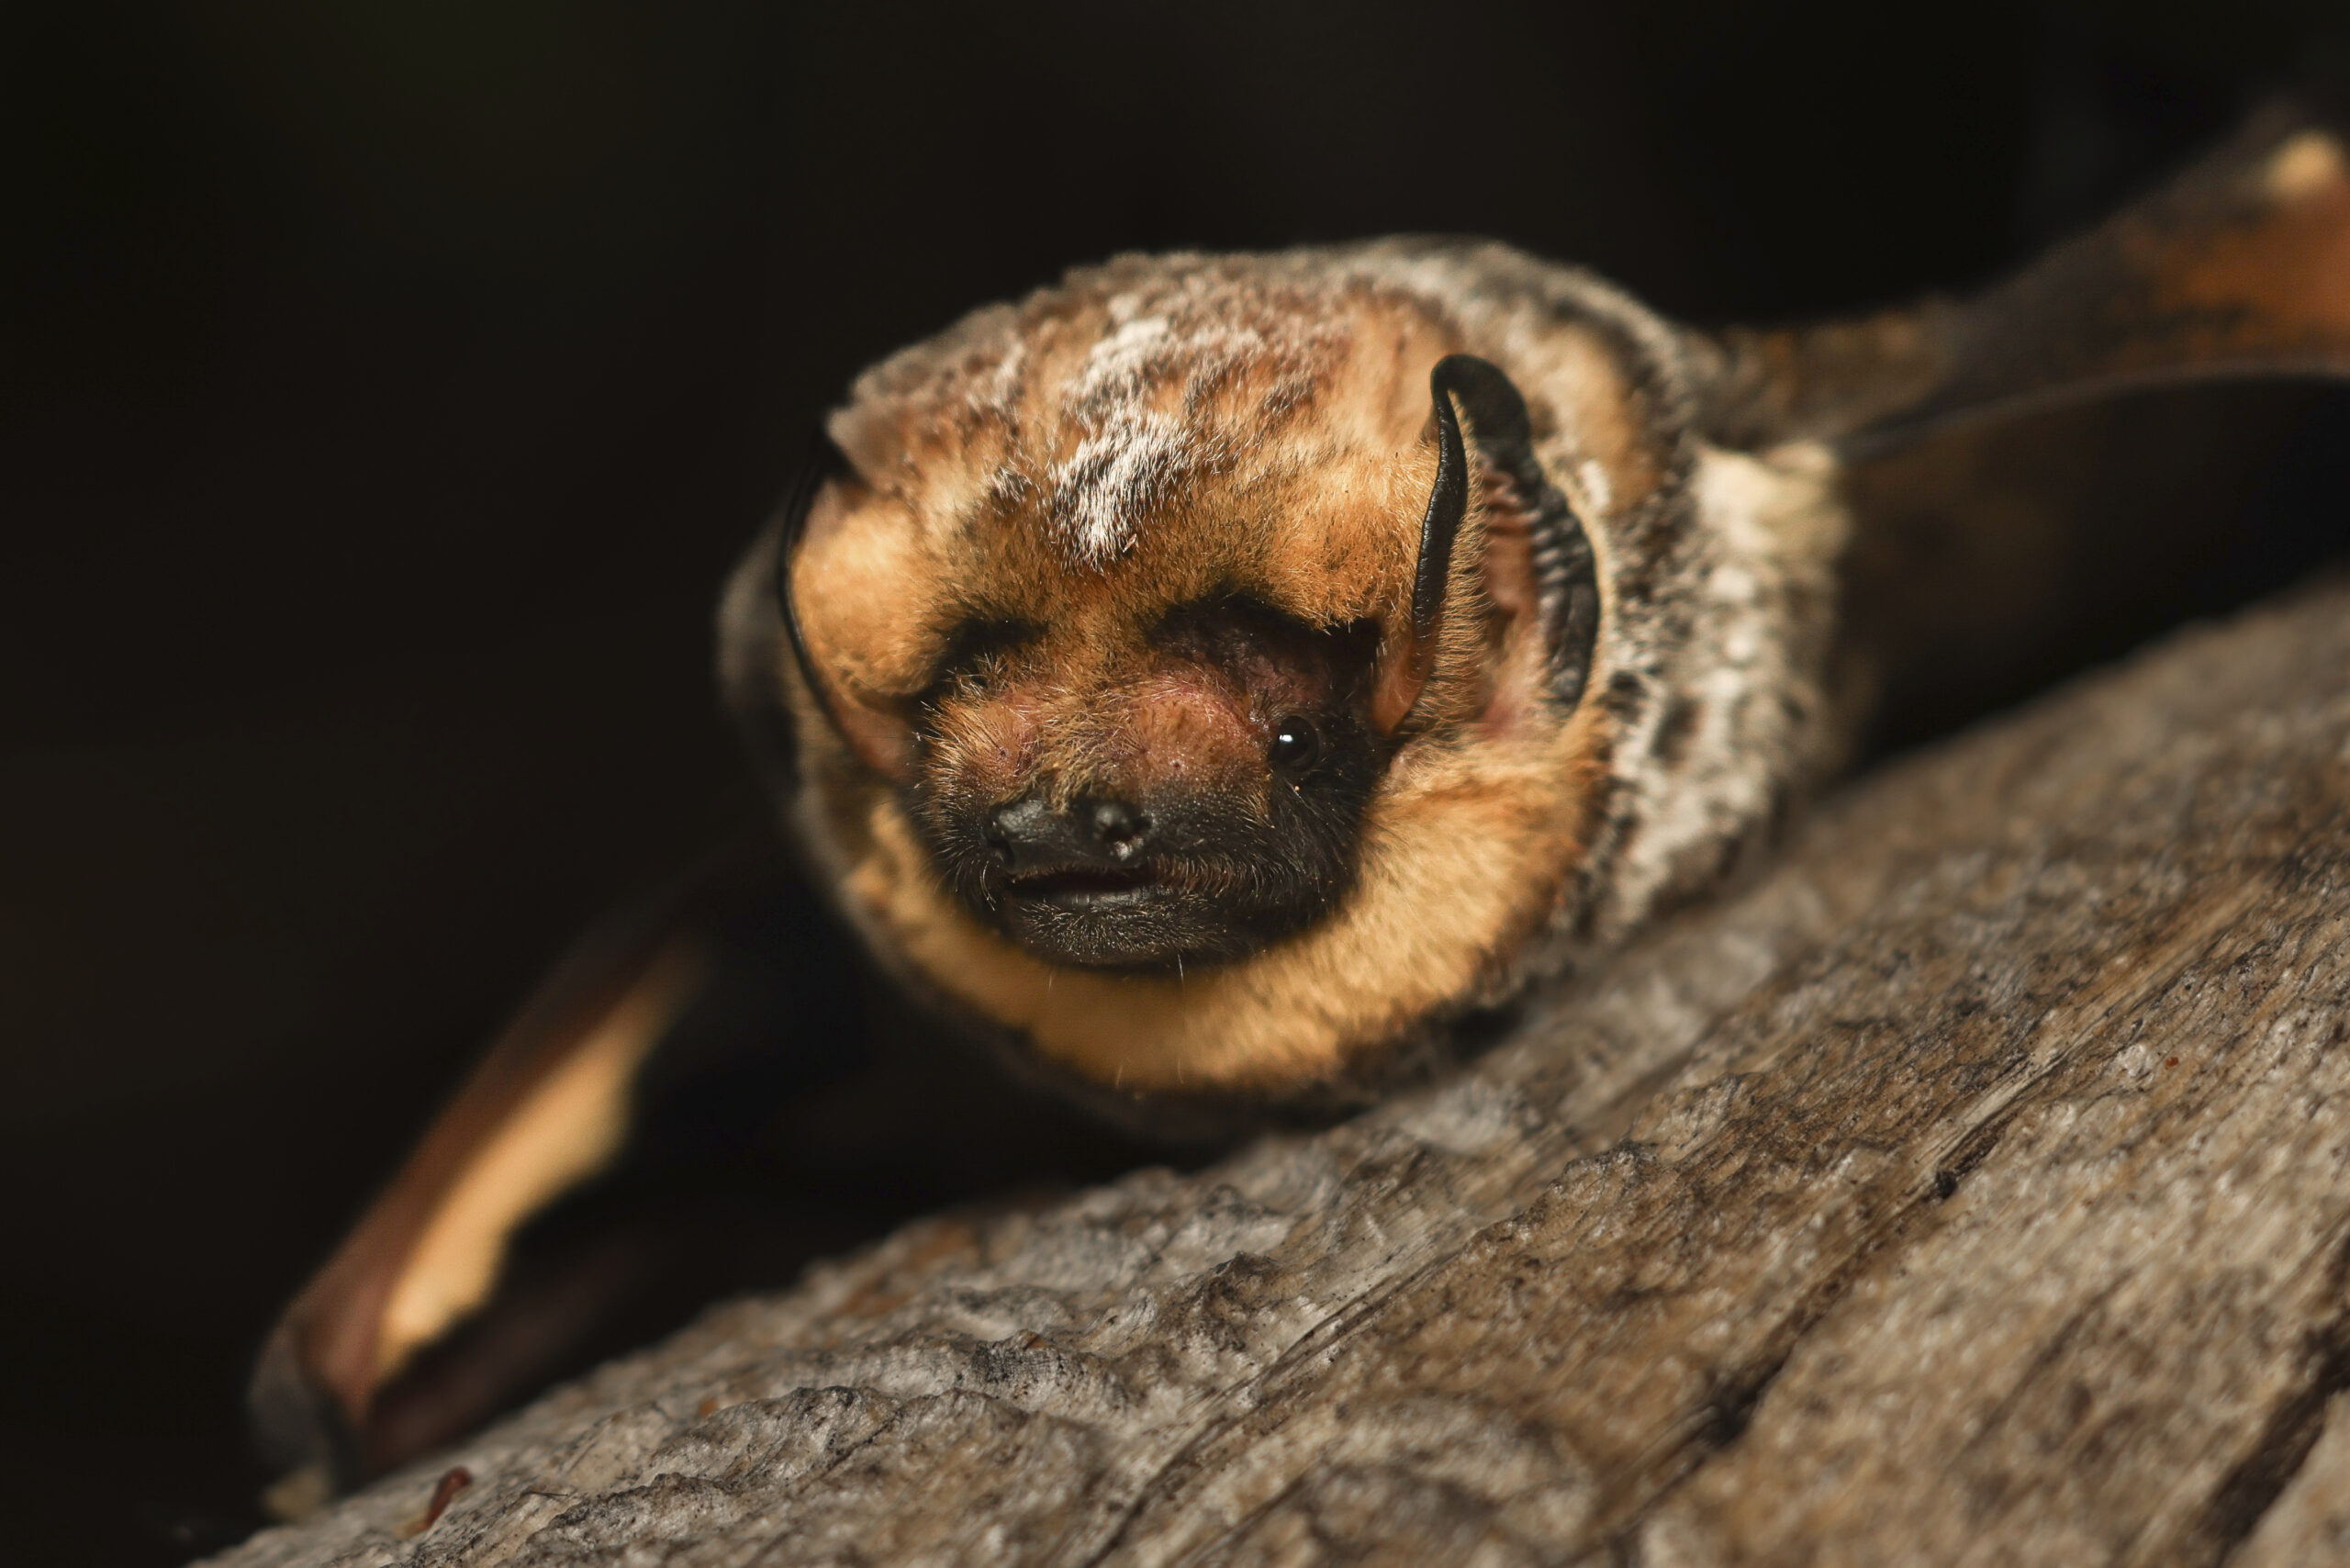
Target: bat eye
x,y
1295,745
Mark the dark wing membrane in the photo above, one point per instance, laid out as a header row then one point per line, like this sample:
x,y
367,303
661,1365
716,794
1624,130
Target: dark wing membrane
x,y
653,1053
2238,267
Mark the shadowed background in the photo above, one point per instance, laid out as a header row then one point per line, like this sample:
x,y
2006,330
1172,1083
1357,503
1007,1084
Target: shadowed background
x,y
386,389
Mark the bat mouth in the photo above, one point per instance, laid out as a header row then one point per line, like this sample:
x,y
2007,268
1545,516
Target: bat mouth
x,y
1148,917
1189,883
1090,889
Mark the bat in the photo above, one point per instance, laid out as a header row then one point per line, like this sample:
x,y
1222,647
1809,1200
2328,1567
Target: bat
x,y
1220,686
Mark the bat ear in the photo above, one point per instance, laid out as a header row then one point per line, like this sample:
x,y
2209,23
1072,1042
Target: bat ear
x,y
881,736
2239,267
1564,586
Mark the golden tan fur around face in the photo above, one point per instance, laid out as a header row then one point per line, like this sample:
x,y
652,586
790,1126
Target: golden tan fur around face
x,y
1076,478
1454,857
1104,457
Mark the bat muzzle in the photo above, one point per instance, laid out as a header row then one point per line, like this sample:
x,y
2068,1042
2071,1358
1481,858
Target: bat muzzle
x,y
1099,881
1032,838
1079,882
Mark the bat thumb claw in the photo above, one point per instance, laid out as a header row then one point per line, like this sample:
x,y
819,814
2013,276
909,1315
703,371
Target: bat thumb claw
x,y
299,1431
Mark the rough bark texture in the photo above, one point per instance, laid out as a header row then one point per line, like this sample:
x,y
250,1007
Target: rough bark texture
x,y
1975,1187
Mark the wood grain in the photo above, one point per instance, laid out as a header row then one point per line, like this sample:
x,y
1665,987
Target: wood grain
x,y
1975,1187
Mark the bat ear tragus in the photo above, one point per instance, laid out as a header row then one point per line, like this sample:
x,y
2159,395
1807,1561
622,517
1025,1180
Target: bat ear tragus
x,y
1404,664
1565,570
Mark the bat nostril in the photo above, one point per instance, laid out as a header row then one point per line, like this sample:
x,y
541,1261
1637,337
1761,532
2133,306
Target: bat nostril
x,y
1029,836
1118,828
1010,829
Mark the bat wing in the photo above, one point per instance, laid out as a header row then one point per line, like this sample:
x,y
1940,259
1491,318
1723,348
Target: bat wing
x,y
656,1051
2239,267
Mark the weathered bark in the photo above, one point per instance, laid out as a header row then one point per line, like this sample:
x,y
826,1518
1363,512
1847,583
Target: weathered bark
x,y
1974,1187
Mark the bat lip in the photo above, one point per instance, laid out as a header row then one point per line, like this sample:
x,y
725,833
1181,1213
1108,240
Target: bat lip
x,y
1102,919
1083,888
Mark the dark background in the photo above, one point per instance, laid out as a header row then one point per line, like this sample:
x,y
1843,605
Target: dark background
x,y
387,386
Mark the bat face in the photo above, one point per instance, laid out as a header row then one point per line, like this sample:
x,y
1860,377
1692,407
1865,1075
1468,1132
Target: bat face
x,y
1170,650
1120,660
1176,787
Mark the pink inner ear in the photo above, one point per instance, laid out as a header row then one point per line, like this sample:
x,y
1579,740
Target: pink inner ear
x,y
1403,665
1516,596
879,735
882,739
1507,567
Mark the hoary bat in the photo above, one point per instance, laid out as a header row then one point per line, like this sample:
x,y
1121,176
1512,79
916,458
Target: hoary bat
x,y
1216,683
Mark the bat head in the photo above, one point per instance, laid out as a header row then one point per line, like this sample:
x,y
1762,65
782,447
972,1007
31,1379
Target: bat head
x,y
1114,650
1136,662
1185,667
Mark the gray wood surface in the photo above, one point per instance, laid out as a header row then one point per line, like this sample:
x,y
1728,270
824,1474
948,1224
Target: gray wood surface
x,y
1975,1187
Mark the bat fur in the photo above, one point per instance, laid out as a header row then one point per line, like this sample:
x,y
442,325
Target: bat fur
x,y
1215,680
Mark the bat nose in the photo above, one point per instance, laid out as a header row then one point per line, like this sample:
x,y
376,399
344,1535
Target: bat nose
x,y
1094,832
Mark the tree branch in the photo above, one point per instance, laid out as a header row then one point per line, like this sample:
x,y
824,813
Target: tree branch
x,y
1975,1185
